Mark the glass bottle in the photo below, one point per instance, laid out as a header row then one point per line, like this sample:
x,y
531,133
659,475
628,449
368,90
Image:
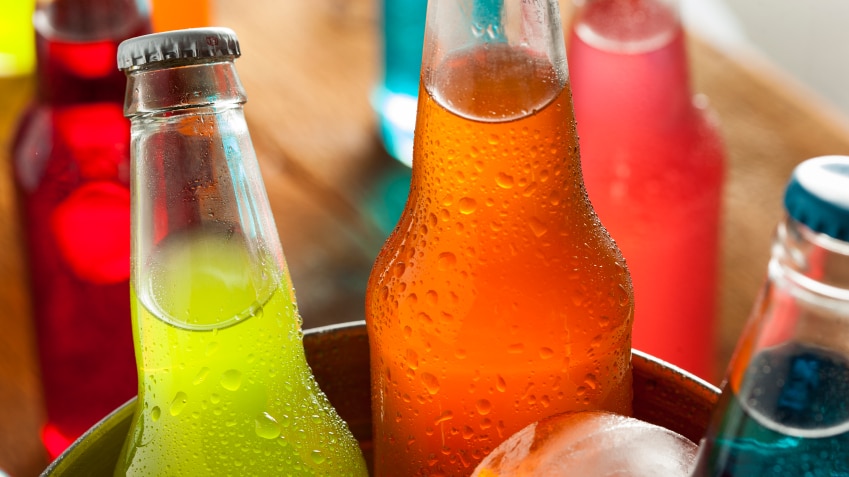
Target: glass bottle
x,y
499,298
71,171
784,408
653,164
224,386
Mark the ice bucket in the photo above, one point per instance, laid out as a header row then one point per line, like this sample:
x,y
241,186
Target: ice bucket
x,y
663,395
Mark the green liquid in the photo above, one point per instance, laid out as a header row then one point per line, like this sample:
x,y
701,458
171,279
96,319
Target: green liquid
x,y
225,388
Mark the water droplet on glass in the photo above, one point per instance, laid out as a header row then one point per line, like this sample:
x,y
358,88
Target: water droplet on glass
x,y
546,353
446,261
178,403
266,426
155,413
445,416
431,383
504,181
201,376
432,298
211,348
317,456
483,406
468,205
412,359
231,380
537,227
500,384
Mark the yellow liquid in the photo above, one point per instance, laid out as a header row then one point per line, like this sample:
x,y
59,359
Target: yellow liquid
x,y
225,388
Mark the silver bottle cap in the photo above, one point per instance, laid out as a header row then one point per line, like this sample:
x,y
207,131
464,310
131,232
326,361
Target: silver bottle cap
x,y
210,42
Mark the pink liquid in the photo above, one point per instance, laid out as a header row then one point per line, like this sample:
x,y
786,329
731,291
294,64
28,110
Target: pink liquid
x,y
71,161
653,166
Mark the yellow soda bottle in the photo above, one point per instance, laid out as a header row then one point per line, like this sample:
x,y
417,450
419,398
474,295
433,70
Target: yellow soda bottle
x,y
224,386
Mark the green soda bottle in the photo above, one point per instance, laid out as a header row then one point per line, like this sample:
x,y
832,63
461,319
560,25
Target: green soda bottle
x,y
224,386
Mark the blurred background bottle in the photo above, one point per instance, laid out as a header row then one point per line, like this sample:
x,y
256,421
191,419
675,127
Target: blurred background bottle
x,y
653,164
166,15
395,98
71,170
784,408
17,48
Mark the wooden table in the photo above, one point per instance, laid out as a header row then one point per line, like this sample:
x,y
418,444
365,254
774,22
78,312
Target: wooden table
x,y
308,67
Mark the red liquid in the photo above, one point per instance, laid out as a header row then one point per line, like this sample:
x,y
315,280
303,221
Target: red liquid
x,y
653,168
71,160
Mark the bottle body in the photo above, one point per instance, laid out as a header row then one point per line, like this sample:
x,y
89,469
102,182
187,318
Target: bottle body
x,y
71,170
222,369
783,407
653,164
498,299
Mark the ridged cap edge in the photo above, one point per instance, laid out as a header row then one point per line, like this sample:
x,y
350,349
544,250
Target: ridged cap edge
x,y
817,195
210,42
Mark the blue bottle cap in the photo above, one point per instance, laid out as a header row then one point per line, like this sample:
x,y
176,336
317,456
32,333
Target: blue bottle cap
x,y
818,195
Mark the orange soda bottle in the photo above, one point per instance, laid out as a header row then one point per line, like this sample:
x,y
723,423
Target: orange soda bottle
x,y
499,298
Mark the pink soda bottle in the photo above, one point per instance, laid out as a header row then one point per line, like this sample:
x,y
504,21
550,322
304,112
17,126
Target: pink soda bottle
x,y
653,164
71,171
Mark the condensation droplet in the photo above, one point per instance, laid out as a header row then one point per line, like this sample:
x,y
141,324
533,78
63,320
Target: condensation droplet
x,y
468,205
546,353
399,270
231,380
431,383
537,227
266,426
155,413
317,456
483,406
500,384
201,376
505,181
432,298
211,348
446,261
516,348
178,403
445,416
412,359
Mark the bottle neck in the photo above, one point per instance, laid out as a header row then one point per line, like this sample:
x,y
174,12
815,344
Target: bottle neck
x,y
631,54
169,86
77,42
812,267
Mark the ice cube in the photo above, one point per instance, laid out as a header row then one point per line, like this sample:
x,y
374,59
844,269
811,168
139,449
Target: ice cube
x,y
591,444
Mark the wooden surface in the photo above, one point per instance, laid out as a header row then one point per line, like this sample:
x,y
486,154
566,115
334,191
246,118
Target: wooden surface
x,y
308,67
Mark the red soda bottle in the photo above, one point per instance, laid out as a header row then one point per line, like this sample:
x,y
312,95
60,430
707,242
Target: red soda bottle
x,y
71,171
653,165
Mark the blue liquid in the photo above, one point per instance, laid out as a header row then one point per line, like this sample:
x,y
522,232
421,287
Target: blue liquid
x,y
791,418
395,99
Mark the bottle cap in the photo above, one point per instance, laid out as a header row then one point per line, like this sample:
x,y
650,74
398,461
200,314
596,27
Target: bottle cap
x,y
210,42
818,195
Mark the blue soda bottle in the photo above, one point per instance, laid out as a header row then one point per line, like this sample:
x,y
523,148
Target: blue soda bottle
x,y
396,97
784,409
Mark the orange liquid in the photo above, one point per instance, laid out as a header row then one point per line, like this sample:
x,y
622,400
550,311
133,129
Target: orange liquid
x,y
167,15
499,299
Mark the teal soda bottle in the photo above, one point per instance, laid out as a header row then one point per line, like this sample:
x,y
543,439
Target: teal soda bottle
x,y
784,409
